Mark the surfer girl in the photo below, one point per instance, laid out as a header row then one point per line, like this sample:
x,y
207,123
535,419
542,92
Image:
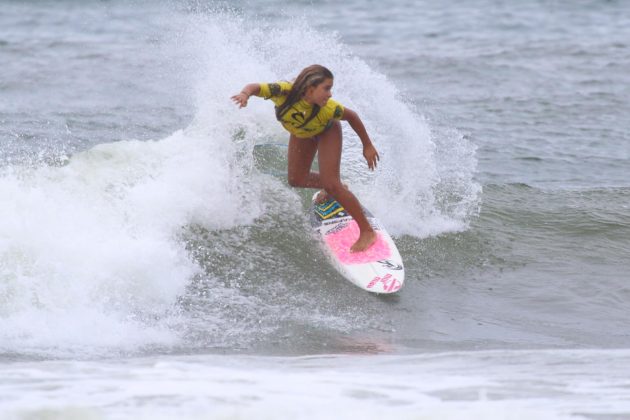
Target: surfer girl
x,y
305,109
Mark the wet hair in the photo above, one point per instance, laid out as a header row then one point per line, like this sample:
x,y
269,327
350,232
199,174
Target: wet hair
x,y
311,76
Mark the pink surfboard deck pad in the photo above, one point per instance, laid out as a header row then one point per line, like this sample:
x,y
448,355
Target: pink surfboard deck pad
x,y
341,241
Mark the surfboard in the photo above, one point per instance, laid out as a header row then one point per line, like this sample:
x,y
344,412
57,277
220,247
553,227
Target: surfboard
x,y
379,269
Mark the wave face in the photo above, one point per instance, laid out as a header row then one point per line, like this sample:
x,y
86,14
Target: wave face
x,y
189,240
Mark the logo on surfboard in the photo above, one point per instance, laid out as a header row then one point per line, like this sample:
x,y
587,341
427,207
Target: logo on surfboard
x,y
390,283
390,264
337,228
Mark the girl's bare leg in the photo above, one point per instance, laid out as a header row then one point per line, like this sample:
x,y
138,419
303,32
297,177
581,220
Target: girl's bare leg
x,y
300,157
329,158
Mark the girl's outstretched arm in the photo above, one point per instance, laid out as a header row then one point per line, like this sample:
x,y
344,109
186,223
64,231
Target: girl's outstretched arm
x,y
369,151
241,98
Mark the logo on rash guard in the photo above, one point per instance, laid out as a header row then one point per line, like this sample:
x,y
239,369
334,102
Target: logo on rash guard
x,y
298,117
275,89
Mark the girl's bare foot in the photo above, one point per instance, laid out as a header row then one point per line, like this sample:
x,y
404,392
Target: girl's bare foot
x,y
366,240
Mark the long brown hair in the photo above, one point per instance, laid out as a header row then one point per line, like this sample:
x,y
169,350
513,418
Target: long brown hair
x,y
311,76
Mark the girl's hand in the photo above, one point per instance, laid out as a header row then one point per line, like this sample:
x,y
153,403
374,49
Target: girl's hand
x,y
241,99
371,155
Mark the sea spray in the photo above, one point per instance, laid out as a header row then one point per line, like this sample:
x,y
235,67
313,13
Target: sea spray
x,y
424,184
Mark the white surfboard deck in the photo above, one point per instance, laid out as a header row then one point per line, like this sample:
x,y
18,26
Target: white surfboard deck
x,y
379,269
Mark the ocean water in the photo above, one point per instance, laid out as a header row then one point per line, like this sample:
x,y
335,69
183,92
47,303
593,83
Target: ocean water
x,y
154,263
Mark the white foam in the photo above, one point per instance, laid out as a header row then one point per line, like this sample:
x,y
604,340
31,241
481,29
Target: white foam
x,y
93,248
559,384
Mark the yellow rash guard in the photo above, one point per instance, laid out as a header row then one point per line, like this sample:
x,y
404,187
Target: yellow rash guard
x,y
293,119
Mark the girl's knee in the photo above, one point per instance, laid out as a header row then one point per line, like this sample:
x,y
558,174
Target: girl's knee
x,y
333,187
295,181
